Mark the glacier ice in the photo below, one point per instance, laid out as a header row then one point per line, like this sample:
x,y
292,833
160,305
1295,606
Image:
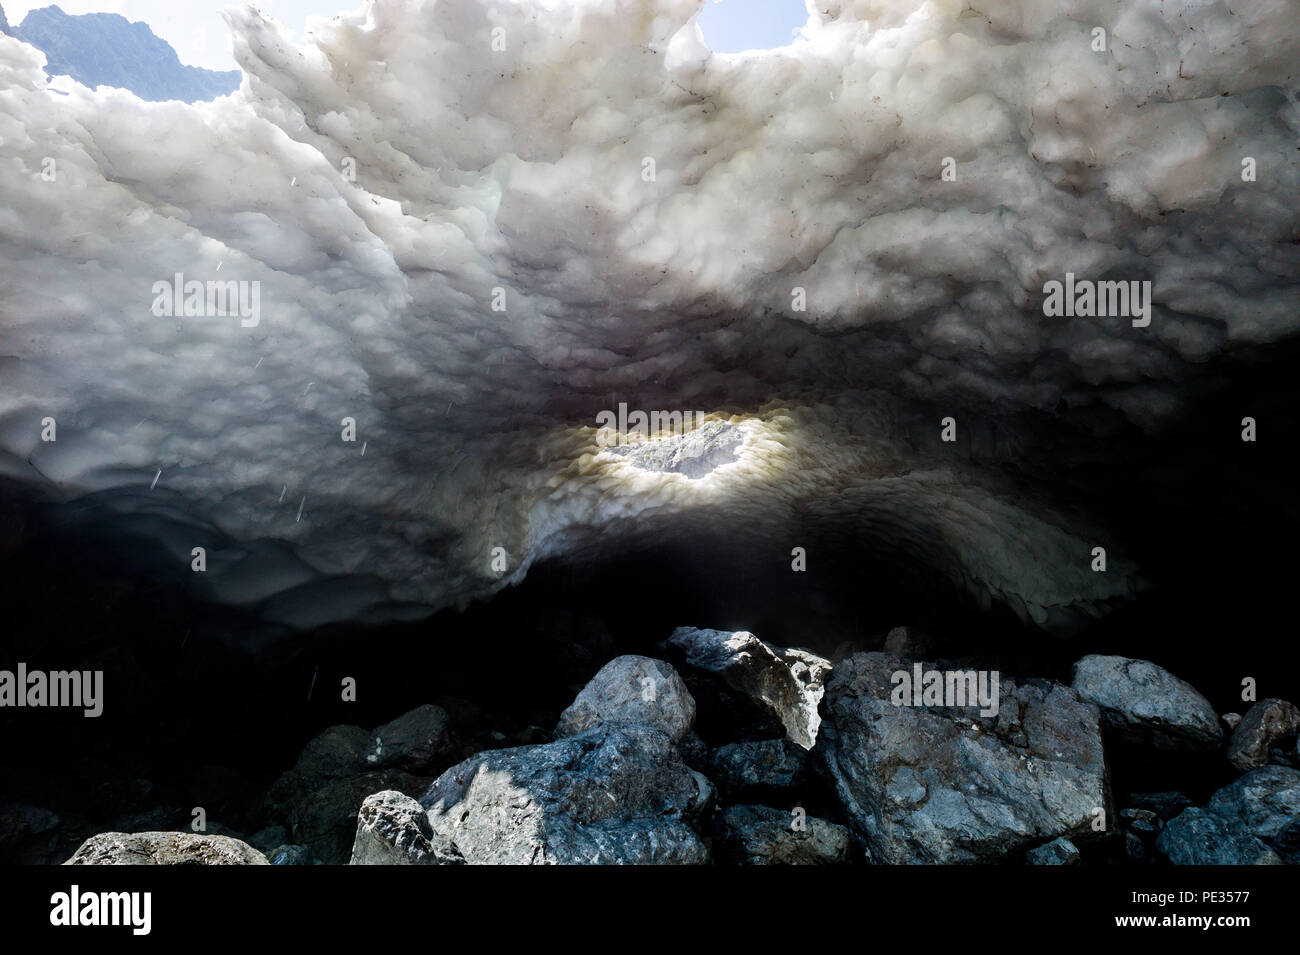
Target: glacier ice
x,y
449,210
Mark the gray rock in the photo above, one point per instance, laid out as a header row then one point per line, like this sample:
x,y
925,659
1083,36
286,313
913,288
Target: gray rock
x,y
1135,848
415,741
1230,721
939,785
394,829
1200,837
326,821
291,855
758,767
632,689
1266,803
164,848
30,835
618,793
1059,851
786,683
319,797
1143,822
1146,704
760,835
1166,804
1265,725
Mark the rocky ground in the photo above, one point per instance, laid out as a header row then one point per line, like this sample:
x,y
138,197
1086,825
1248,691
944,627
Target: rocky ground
x,y
725,749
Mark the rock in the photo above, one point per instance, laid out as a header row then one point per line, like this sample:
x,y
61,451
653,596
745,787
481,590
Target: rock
x,y
1230,720
1059,851
758,767
394,829
947,785
414,742
337,752
326,821
264,840
1266,803
632,689
760,835
164,848
1135,849
785,684
1265,725
695,753
1199,837
617,793
1142,822
30,835
319,797
291,855
1166,805
1146,704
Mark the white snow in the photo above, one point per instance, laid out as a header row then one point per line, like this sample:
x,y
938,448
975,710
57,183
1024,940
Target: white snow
x,y
817,166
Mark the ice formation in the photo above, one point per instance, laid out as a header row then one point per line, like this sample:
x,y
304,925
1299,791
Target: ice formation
x,y
477,225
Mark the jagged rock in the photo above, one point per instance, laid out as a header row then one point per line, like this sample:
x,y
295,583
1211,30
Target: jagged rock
x,y
632,689
1059,851
784,684
1143,822
394,829
758,766
1146,704
326,821
106,49
164,848
760,835
1166,805
291,855
618,793
1200,837
1230,721
940,785
319,797
1265,725
1266,803
415,741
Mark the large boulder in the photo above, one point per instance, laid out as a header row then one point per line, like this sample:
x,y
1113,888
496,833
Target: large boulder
x,y
326,821
783,684
1200,837
617,793
414,742
1060,851
632,689
1267,724
164,848
394,829
760,835
1146,704
1266,803
319,797
947,785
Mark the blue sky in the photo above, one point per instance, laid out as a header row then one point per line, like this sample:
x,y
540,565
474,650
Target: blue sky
x,y
199,35
735,25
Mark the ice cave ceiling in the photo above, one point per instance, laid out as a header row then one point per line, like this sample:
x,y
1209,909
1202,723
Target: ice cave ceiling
x,y
475,227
